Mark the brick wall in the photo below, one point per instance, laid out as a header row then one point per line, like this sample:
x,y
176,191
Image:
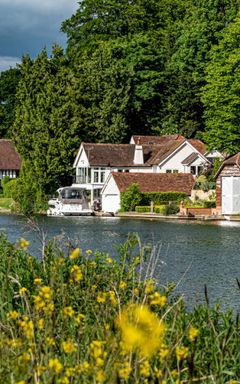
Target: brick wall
x,y
198,211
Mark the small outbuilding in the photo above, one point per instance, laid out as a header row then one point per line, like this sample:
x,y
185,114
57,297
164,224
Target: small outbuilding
x,y
228,186
10,162
118,182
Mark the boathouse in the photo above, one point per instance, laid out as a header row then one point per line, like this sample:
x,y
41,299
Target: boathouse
x,y
228,186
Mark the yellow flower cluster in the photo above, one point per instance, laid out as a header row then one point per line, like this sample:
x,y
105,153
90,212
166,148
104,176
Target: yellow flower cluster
x,y
149,287
157,299
181,353
55,365
193,333
75,274
68,346
68,312
141,329
23,244
124,371
43,301
75,254
99,356
27,327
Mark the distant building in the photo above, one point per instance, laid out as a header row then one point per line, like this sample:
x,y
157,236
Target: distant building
x,y
144,154
118,182
10,162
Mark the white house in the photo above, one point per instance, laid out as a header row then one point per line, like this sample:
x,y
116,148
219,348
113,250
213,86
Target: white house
x,y
118,182
144,154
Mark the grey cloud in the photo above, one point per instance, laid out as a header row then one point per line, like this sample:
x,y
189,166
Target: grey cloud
x,y
8,62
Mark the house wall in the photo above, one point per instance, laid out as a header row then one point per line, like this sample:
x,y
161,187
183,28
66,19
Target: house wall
x,y
82,161
111,197
175,161
228,170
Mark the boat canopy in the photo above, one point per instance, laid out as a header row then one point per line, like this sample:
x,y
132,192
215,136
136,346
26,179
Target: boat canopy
x,y
71,193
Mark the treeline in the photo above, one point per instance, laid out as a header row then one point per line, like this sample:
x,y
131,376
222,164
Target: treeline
x,y
142,67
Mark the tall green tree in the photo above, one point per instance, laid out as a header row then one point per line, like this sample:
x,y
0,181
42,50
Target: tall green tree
x,y
8,87
46,127
194,36
221,94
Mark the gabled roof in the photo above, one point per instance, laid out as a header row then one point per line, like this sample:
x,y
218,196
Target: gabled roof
x,y
163,151
198,145
155,182
138,139
9,158
232,160
190,158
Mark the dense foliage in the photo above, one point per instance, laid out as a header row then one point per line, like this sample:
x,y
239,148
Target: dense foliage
x,y
78,317
142,67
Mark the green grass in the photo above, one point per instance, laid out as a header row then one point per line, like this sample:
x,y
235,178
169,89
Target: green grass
x,y
6,203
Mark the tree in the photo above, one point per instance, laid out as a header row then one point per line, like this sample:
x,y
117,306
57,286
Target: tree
x,y
46,127
8,86
194,36
221,94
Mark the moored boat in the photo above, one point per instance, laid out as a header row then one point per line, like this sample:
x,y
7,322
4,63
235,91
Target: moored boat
x,y
71,201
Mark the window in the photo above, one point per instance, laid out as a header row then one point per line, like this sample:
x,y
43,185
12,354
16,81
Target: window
x,y
168,171
98,175
175,170
193,170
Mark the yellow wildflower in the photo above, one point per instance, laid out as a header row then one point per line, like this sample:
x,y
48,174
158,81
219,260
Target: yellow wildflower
x,y
46,292
64,380
40,369
27,327
112,298
79,318
157,299
125,371
93,264
94,286
21,382
100,377
109,260
75,274
158,372
75,254
141,329
25,357
181,353
23,244
50,341
101,298
145,369
149,287
88,252
55,365
13,315
82,368
37,281
193,333
22,291
122,285
68,346
70,372
40,324
174,373
68,312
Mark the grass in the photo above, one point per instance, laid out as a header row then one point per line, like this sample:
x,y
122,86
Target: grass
x,y
85,318
6,203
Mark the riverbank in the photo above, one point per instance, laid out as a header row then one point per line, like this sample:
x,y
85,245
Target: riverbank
x,y
156,216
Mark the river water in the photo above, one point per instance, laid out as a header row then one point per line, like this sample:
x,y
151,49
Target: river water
x,y
190,254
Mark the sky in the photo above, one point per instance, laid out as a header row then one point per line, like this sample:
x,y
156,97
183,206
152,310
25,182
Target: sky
x,y
27,26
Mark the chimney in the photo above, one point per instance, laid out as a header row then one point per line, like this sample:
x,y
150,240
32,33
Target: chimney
x,y
138,154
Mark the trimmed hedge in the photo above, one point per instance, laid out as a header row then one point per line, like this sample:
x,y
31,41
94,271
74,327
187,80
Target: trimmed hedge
x,y
157,209
160,198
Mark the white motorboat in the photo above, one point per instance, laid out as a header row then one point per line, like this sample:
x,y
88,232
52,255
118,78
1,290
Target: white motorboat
x,y
71,201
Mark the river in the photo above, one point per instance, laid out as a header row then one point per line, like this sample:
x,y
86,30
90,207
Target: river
x,y
191,254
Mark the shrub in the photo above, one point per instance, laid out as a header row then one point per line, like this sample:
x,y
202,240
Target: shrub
x,y
130,198
160,209
171,209
142,209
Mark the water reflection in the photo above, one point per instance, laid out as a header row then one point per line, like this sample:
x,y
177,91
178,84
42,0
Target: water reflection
x,y
190,254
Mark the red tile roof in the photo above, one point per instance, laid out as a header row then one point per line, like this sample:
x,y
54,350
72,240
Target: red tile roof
x,y
155,182
9,158
198,145
155,139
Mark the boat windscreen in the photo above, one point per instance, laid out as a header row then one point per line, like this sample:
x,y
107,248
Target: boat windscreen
x,y
71,193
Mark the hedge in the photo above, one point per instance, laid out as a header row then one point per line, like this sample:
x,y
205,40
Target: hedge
x,y
160,198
